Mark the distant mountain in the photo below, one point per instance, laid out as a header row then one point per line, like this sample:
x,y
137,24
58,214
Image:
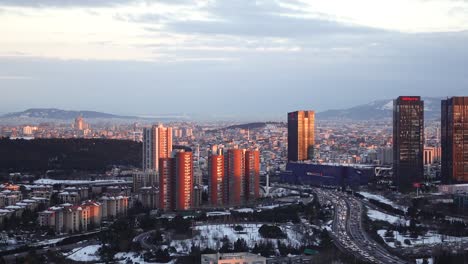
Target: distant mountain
x,y
255,125
35,115
380,109
53,113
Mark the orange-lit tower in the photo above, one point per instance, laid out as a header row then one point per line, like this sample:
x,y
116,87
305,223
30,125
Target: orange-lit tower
x,y
301,135
184,179
252,174
157,143
176,181
216,183
166,183
235,174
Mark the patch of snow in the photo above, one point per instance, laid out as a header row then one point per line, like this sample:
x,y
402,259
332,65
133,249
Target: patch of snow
x,y
244,210
382,199
387,106
377,215
430,238
52,182
50,241
220,213
134,257
88,253
429,260
211,236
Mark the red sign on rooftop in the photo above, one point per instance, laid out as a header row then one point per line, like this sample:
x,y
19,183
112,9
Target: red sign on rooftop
x,y
408,98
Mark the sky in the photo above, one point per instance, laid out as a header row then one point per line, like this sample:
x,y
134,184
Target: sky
x,y
245,59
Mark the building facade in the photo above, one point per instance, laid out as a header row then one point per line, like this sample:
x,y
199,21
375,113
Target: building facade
x,y
234,176
157,143
216,183
454,140
408,142
232,258
301,135
176,181
252,174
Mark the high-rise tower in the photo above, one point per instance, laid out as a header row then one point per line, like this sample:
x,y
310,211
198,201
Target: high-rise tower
x,y
454,139
217,180
408,141
157,143
301,135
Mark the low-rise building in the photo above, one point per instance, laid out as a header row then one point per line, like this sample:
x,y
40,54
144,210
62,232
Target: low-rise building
x,y
149,197
69,218
69,197
114,206
232,258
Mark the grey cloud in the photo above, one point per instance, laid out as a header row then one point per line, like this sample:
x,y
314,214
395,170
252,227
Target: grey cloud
x,y
261,19
427,64
82,3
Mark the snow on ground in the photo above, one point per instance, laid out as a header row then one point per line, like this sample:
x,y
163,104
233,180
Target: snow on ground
x,y
429,260
377,215
134,257
244,210
382,199
211,236
269,207
52,181
88,253
429,239
220,213
49,241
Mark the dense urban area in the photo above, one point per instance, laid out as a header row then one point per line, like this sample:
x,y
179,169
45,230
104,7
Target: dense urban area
x,y
308,190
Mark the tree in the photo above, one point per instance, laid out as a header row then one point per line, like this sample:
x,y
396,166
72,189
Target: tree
x,y
269,231
227,246
238,228
240,245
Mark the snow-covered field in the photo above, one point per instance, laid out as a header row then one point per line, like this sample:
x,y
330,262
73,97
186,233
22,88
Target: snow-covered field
x,y
382,199
52,181
124,257
49,241
377,215
429,260
429,239
211,236
88,253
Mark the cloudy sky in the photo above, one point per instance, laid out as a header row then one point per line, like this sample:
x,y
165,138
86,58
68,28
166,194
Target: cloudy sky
x,y
228,58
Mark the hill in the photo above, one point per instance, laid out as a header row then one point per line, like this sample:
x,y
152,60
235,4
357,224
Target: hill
x,y
67,154
53,113
380,109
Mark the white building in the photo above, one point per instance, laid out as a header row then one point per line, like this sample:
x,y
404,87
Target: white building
x,y
232,258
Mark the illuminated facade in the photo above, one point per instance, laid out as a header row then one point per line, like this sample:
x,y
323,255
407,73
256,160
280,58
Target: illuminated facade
x,y
454,139
184,180
72,218
301,135
235,172
79,123
217,184
157,144
176,181
166,182
252,174
408,142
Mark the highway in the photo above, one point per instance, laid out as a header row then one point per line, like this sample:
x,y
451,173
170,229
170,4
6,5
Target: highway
x,y
347,231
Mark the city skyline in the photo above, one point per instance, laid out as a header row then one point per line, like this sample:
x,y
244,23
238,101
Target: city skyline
x,y
142,57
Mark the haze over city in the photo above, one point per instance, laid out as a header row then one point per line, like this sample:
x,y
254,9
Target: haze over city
x,y
234,59
234,131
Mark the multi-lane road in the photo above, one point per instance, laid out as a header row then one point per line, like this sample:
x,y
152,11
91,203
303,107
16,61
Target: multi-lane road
x,y
348,232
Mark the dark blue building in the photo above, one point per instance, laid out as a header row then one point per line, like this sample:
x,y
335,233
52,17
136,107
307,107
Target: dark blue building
x,y
327,175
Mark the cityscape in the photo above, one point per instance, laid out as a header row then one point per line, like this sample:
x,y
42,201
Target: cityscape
x,y
234,132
